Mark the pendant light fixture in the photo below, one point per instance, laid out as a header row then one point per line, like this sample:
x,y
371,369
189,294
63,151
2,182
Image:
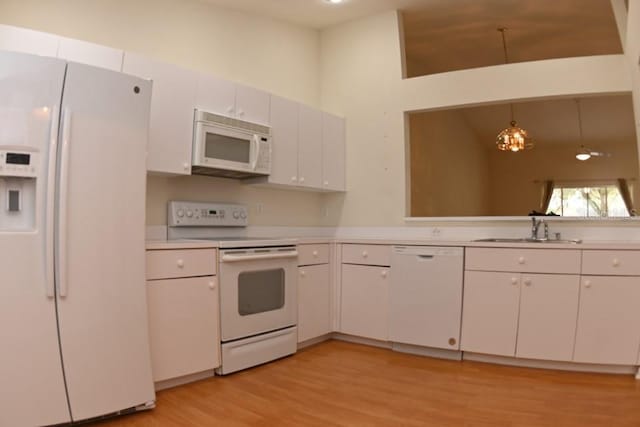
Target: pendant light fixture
x,y
513,138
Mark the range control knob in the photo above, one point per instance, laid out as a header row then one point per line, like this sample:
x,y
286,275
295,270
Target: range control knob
x,y
189,214
243,215
236,214
180,213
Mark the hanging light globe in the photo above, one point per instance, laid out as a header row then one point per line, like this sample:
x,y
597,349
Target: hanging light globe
x,y
514,138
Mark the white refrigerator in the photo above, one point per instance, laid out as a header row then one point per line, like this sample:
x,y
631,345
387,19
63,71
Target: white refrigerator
x,y
73,316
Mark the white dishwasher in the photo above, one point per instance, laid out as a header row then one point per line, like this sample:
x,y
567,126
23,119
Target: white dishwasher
x,y
426,296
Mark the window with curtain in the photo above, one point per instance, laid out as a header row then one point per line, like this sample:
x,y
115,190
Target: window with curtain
x,y
602,200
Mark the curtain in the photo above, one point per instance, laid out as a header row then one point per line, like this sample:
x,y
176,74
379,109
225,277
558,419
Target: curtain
x,y
623,186
547,191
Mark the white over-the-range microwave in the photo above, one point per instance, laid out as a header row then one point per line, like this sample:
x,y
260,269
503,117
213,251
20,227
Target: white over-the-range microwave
x,y
231,148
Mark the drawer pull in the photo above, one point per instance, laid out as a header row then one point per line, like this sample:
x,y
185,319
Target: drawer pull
x,y
384,273
527,282
615,262
587,284
521,260
180,263
315,254
303,273
365,254
514,281
212,286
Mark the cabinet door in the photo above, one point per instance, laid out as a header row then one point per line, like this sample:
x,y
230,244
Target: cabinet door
x,y
284,129
333,153
90,54
310,147
365,301
313,302
548,312
215,95
490,312
172,104
183,326
17,39
608,320
252,105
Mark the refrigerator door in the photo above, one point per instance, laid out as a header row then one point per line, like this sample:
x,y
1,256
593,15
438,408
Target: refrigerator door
x,y
101,241
32,391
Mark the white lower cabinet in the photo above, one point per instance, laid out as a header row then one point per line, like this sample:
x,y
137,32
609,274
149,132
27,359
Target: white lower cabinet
x,y
490,312
365,301
547,319
608,320
313,302
183,326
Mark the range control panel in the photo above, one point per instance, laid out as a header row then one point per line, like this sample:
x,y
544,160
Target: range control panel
x,y
198,214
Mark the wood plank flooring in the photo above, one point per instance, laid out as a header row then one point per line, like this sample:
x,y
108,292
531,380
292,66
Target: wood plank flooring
x,y
342,384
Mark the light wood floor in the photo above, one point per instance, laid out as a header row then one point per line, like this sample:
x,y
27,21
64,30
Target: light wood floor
x,y
342,384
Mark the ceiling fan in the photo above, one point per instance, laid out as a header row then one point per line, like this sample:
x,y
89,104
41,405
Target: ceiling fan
x,y
586,153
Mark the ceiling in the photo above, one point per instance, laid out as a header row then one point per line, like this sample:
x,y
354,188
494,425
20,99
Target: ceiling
x,y
447,35
605,120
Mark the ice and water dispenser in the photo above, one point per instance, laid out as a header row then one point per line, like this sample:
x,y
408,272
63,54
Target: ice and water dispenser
x,y
18,175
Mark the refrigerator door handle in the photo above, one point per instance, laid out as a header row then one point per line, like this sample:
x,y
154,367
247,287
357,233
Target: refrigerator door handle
x,y
50,282
63,201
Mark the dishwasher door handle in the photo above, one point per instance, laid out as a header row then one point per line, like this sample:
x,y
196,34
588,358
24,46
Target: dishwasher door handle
x,y
425,256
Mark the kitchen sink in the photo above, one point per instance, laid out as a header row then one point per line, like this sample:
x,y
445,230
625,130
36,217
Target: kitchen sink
x,y
528,240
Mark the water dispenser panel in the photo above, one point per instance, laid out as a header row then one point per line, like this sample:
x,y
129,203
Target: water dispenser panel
x,y
20,162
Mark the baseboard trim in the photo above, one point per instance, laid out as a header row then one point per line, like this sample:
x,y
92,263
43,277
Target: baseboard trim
x,y
547,364
437,353
360,340
174,382
314,341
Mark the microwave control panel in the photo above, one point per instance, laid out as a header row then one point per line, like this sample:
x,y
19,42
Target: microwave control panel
x,y
196,214
18,163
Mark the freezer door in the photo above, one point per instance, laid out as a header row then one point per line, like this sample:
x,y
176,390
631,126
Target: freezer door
x,y
101,241
32,386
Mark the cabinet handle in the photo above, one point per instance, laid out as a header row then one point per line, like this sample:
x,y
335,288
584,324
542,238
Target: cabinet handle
x,y
212,286
185,166
514,281
293,179
365,254
521,260
326,183
303,273
615,262
315,254
180,263
384,273
587,284
527,282
301,179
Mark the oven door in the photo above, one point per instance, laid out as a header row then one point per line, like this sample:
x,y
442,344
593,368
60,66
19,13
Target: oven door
x,y
257,290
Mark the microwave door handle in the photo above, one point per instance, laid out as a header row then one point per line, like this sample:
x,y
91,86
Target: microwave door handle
x,y
256,152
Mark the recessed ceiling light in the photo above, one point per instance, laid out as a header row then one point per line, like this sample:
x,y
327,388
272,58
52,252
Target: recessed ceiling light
x,y
334,1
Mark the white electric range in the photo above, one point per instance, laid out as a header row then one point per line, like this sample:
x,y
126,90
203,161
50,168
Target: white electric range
x,y
258,282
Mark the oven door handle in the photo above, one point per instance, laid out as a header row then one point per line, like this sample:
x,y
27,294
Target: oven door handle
x,y
252,257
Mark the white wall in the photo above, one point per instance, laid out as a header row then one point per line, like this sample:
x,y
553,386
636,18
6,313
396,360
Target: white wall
x,y
278,57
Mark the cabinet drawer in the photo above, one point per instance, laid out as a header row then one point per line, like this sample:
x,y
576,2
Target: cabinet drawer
x,y
613,263
313,254
523,260
168,264
366,254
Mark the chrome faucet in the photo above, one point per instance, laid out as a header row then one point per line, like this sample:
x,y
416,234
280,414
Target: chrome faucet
x,y
534,228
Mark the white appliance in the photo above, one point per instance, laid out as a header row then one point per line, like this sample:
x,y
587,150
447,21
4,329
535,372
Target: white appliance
x,y
258,283
230,148
73,316
426,296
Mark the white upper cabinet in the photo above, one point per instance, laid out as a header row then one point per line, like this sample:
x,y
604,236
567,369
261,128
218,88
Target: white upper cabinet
x,y
284,133
172,105
90,54
252,105
226,98
28,41
333,153
310,147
